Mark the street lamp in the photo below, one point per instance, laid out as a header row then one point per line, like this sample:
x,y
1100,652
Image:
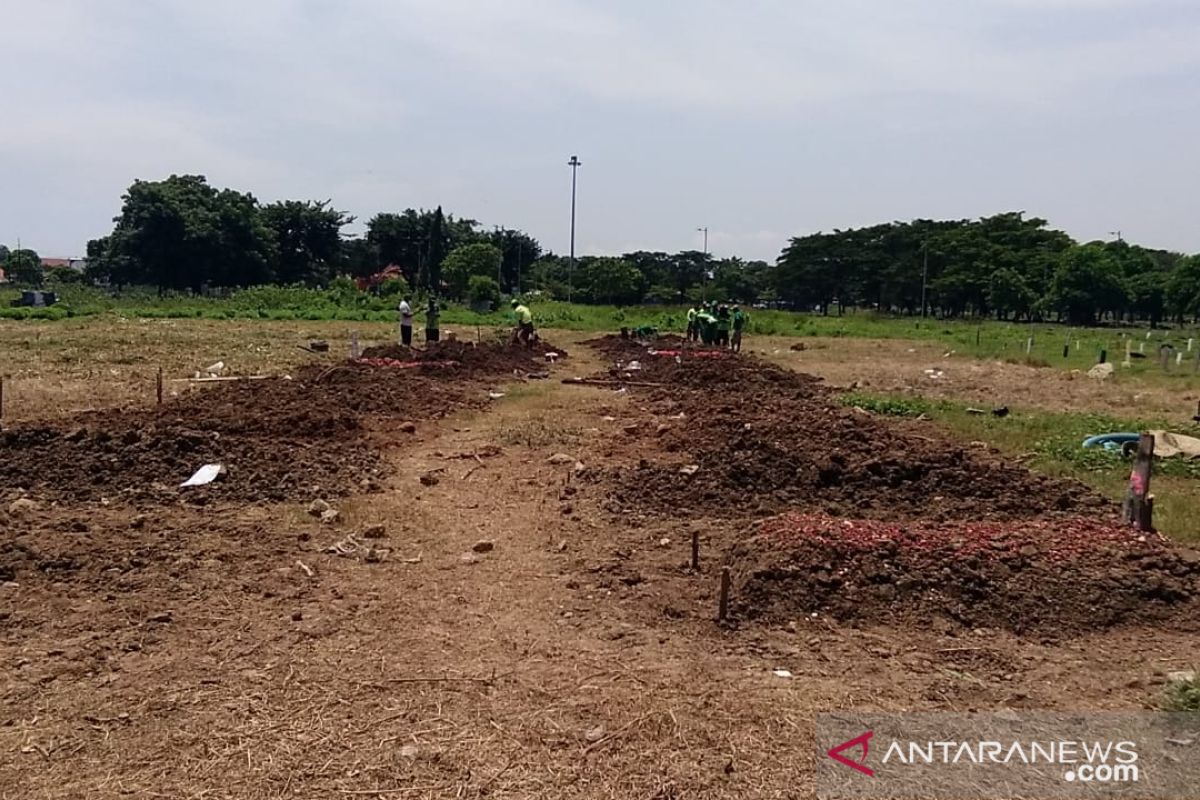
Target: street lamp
x,y
704,230
574,164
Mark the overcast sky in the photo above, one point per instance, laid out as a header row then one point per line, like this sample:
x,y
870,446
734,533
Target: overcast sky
x,y
760,119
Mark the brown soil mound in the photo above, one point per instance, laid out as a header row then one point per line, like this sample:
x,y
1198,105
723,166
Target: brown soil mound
x,y
278,438
767,439
615,345
1072,574
487,358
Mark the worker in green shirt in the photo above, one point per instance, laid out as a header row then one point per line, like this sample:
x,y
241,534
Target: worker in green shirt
x,y
706,325
692,333
524,332
740,320
724,321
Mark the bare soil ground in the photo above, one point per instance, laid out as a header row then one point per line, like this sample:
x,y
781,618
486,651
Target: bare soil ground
x,y
486,622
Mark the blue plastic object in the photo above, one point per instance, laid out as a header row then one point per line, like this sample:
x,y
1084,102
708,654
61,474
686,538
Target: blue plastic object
x,y
1111,441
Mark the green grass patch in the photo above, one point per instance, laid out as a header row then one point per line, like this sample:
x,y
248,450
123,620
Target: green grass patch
x,y
888,405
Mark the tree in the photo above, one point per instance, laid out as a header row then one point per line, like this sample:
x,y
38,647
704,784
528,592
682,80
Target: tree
x,y
519,251
738,280
4,251
308,240
1183,288
467,261
356,258
439,245
610,280
399,239
548,275
24,267
61,276
483,292
417,241
1088,281
181,233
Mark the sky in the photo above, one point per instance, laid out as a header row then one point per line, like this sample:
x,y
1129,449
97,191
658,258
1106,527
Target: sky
x,y
758,119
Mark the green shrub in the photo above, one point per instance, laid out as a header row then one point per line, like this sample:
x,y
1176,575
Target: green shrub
x,y
1184,695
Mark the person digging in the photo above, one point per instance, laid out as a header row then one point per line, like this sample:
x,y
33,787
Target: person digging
x,y
524,332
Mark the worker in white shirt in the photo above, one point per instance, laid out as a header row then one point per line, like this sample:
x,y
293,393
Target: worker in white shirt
x,y
406,321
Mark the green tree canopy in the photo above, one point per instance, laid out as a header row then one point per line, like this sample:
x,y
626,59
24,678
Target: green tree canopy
x,y
610,280
308,240
181,233
24,267
1088,281
469,260
483,292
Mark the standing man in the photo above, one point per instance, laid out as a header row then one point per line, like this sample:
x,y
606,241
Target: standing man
x,y
523,333
406,320
432,334
723,323
740,320
691,323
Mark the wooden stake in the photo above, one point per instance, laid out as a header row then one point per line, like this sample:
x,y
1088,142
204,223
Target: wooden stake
x,y
1,402
158,386
696,551
1133,509
1146,516
723,603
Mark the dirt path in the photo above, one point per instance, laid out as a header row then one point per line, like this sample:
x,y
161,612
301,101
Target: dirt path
x,y
190,653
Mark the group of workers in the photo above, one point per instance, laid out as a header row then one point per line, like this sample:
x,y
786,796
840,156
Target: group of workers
x,y
711,323
432,313
717,324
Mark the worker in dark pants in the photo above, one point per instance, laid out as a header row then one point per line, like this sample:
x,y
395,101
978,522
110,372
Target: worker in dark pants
x,y
431,321
740,320
724,320
406,321
524,332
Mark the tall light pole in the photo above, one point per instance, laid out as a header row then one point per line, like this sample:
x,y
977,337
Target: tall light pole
x,y
1116,234
704,230
574,164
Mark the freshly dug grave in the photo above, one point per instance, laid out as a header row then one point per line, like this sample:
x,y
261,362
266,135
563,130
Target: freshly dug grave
x,y
489,358
1066,575
757,439
278,438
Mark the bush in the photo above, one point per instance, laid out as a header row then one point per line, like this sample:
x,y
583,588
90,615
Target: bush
x,y
1184,696
393,288
483,292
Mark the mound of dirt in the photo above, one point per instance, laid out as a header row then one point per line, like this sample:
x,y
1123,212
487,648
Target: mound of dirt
x,y
278,438
1067,575
477,359
767,439
615,345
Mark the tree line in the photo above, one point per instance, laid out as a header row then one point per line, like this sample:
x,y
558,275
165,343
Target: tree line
x,y
182,234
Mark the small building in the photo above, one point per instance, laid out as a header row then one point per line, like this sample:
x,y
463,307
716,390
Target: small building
x,y
77,264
